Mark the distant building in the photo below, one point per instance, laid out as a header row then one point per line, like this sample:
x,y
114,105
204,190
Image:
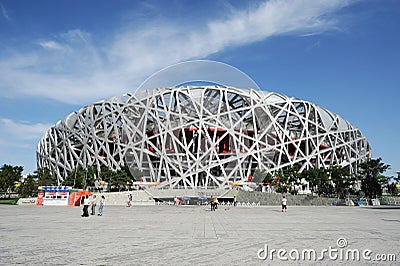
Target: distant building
x,y
201,136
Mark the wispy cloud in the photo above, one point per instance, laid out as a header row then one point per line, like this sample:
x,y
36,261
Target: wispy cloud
x,y
22,130
18,141
75,69
4,12
51,45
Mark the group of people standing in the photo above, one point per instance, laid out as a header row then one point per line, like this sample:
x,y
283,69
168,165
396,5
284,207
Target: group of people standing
x,y
92,203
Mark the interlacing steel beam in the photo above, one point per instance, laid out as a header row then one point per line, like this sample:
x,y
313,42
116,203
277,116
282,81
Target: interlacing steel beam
x,y
201,136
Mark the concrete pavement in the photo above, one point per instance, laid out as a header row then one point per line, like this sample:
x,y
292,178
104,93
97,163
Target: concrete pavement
x,y
193,235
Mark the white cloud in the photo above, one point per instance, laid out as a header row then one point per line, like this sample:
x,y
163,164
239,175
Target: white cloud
x,y
51,45
18,142
76,35
4,12
275,18
22,130
76,69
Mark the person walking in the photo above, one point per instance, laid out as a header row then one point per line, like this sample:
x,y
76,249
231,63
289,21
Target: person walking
x,y
284,203
85,207
234,201
129,202
212,205
102,203
93,203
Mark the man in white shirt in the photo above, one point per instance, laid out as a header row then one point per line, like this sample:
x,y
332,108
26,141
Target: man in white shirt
x,y
86,207
284,203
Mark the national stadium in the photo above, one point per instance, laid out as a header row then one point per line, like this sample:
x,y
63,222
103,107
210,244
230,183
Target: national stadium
x,y
201,136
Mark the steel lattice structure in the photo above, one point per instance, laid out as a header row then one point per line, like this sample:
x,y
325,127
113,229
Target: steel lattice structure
x,y
201,136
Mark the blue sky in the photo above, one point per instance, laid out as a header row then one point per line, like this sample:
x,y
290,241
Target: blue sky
x,y
57,56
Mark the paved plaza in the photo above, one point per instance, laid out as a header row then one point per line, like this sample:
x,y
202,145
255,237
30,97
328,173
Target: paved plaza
x,y
193,235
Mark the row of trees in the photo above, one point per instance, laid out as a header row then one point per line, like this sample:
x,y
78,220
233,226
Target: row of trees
x,y
335,180
326,182
87,177
11,177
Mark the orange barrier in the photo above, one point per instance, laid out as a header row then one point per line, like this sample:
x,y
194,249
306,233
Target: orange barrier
x,y
39,201
74,199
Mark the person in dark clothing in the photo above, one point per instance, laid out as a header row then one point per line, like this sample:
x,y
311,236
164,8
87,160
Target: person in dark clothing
x,y
93,205
86,207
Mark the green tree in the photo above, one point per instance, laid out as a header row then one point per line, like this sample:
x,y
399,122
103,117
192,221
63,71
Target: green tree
x,y
311,176
324,183
268,178
28,188
133,174
292,173
371,186
117,180
75,178
292,176
91,175
122,179
341,178
370,172
9,176
318,180
392,187
81,177
107,175
45,177
281,183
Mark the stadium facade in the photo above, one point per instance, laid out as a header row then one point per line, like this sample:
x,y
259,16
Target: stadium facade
x,y
201,136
